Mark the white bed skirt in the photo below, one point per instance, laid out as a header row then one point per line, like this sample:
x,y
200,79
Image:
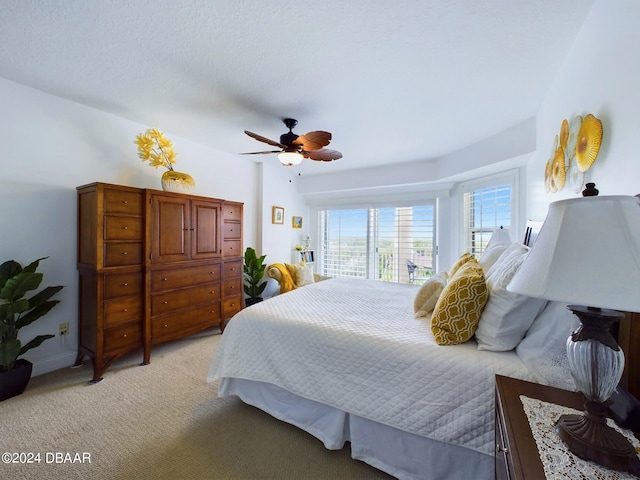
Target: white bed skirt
x,y
399,453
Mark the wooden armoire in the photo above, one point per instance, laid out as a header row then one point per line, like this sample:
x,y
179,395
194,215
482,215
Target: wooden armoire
x,y
153,266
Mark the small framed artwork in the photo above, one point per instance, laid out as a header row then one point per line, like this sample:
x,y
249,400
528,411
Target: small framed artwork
x,y
296,222
277,215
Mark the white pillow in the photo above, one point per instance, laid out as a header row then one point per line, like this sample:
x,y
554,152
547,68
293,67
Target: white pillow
x,y
303,274
507,316
491,255
544,349
428,295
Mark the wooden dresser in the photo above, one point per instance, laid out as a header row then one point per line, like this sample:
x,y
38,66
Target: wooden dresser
x,y
153,266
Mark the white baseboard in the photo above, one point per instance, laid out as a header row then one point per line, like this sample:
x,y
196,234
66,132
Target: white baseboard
x,y
46,365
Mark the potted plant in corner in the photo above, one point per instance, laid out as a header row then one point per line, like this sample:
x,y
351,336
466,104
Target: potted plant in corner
x,y
16,312
254,268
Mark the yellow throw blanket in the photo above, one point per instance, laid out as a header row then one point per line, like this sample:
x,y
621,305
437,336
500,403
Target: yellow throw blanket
x,y
287,283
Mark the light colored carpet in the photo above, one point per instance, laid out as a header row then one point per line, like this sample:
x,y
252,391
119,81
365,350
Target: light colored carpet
x,y
159,421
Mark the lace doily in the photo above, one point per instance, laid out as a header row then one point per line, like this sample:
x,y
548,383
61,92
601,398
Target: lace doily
x,y
558,462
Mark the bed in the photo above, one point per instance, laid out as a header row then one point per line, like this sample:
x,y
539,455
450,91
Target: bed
x,y
351,360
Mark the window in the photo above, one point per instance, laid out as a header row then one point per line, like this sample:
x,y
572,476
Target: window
x,y
486,209
392,244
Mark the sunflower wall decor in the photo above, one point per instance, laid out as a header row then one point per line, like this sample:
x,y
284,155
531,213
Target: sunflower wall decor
x,y
574,151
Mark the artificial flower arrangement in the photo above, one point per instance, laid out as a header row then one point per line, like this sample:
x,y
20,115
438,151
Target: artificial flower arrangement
x,y
155,148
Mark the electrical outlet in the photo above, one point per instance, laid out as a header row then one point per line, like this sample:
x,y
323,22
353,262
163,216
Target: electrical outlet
x,y
64,328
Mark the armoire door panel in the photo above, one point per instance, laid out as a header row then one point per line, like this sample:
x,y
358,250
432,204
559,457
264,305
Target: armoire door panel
x,y
170,229
205,233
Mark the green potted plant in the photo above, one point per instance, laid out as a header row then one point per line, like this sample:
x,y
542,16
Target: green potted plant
x,y
16,312
254,268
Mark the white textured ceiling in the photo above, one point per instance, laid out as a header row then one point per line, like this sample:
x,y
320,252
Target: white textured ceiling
x,y
393,81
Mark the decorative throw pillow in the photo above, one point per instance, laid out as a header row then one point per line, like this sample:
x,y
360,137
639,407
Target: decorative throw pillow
x,y
491,255
429,293
507,316
464,258
303,274
544,349
457,311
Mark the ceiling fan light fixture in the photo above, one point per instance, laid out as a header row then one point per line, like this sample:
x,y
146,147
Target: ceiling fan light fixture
x,y
289,159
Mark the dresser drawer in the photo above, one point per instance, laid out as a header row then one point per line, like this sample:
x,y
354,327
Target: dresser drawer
x,y
232,269
123,337
122,201
183,323
123,228
175,278
122,253
122,285
231,248
123,310
232,212
231,306
185,297
232,288
231,230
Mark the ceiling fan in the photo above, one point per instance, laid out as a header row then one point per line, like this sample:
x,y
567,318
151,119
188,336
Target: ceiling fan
x,y
294,147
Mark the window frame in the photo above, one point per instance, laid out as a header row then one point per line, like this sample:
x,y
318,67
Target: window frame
x,y
510,178
370,268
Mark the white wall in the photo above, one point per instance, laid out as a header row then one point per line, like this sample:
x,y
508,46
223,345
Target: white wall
x,y
49,147
600,76
280,189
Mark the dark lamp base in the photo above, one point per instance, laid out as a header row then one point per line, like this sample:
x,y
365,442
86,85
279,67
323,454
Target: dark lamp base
x,y
592,439
587,435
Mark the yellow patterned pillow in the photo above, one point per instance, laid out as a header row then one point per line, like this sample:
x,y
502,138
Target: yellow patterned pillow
x,y
464,258
458,310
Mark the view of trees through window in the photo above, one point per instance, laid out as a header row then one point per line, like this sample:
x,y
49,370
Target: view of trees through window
x,y
394,244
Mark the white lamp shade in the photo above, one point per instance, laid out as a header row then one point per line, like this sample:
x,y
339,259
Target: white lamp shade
x,y
499,236
587,253
290,158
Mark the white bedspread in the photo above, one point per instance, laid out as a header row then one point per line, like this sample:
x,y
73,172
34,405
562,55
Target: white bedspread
x,y
355,345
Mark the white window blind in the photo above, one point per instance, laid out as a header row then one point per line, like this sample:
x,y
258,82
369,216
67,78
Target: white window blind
x,y
393,244
485,209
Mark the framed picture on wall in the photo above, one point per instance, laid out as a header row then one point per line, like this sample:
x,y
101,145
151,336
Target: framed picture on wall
x,y
277,215
296,222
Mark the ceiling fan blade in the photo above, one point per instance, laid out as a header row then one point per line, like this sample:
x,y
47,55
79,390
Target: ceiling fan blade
x,y
259,153
260,138
313,140
322,155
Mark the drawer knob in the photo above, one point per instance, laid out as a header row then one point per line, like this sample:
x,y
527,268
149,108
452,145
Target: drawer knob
x,y
125,309
165,302
125,284
125,202
232,287
500,448
165,325
212,273
124,336
213,291
125,228
124,253
164,279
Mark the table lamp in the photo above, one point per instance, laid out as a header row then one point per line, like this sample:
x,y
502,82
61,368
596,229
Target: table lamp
x,y
587,254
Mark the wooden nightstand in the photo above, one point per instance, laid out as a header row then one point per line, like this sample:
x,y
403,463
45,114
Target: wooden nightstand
x,y
517,455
